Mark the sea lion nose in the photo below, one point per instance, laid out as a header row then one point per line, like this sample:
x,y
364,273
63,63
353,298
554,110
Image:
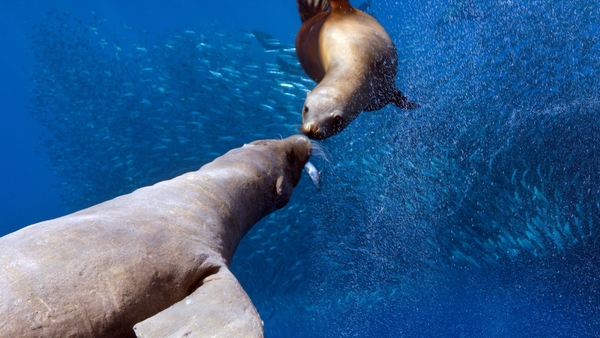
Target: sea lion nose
x,y
311,129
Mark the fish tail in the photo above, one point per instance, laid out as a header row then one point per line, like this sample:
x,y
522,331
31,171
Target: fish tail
x,y
310,8
400,101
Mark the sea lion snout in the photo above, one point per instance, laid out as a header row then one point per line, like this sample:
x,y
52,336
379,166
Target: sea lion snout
x,y
312,130
321,129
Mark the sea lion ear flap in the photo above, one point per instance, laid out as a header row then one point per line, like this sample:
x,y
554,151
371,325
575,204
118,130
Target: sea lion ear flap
x,y
279,185
307,93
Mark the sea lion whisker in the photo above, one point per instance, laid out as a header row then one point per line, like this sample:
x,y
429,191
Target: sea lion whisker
x,y
319,151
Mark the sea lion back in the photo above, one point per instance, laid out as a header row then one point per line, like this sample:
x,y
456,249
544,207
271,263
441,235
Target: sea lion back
x,y
313,14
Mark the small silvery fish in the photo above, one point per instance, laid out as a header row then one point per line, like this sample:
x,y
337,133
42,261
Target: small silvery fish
x,y
315,175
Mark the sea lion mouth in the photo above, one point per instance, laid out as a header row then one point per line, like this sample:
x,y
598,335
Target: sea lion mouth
x,y
312,130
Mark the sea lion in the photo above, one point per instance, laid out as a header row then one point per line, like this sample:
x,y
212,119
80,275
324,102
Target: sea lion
x,y
354,61
158,257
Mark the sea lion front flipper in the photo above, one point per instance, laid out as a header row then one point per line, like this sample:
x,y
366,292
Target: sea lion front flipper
x,y
310,8
218,308
365,7
400,101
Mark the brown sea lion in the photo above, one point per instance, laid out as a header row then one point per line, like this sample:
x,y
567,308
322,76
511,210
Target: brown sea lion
x,y
354,61
158,257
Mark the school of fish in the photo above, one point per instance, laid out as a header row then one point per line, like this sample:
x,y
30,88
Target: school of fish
x,y
497,174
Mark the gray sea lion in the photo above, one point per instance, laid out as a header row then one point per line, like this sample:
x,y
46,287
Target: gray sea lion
x,y
354,61
99,271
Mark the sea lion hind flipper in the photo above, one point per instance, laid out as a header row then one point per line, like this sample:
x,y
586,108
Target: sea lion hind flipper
x,y
310,8
399,100
218,308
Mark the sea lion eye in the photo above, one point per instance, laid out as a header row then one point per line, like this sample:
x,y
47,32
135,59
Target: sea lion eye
x,y
304,111
291,156
337,121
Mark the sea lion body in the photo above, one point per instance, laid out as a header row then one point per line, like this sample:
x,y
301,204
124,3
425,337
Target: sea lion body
x,y
157,257
354,61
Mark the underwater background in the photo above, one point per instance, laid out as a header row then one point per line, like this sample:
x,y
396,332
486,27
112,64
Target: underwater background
x,y
474,216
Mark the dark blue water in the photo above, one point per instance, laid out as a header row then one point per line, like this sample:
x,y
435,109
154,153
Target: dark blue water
x,y
474,216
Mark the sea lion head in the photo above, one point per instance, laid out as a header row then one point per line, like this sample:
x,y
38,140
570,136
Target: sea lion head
x,y
325,114
290,154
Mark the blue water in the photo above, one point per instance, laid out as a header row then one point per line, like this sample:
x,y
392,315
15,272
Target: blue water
x,y
473,216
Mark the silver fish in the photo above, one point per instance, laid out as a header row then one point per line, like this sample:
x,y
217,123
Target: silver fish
x,y
315,175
